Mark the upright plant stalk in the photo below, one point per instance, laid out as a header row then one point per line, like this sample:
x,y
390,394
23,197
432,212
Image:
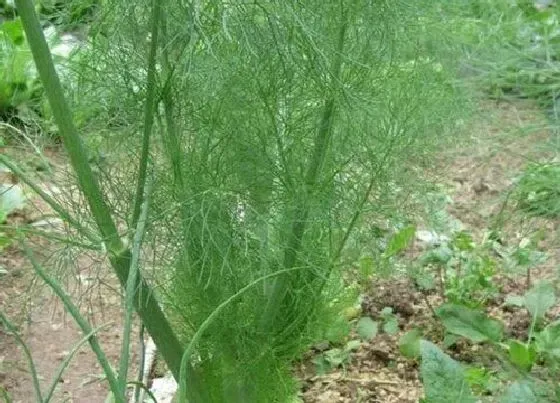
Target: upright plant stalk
x,y
130,288
321,145
171,139
149,109
146,305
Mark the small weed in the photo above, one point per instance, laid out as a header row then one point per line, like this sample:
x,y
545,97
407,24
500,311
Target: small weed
x,y
335,357
462,269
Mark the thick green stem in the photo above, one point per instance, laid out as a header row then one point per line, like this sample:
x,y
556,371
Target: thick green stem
x,y
144,301
171,138
63,118
131,284
149,110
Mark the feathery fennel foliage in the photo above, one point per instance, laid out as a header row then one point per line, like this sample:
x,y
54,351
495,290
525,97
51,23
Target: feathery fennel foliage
x,y
277,125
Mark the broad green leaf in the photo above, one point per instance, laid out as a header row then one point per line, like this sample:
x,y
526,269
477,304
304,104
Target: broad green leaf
x,y
522,355
443,378
386,311
540,299
519,392
409,344
470,323
548,341
391,325
450,339
338,330
440,255
367,328
400,241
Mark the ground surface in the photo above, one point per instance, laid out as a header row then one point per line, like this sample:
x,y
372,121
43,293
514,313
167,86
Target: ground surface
x,y
477,176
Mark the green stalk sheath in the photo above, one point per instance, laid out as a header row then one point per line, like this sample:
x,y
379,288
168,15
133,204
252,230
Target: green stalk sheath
x,y
149,110
82,323
171,139
131,284
151,314
153,318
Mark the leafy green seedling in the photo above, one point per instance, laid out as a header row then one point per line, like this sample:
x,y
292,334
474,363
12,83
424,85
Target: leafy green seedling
x,y
480,380
463,270
335,357
539,299
338,331
547,342
522,355
409,344
367,328
390,321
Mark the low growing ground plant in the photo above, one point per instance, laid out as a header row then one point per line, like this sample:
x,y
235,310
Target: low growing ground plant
x,y
525,369
459,270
